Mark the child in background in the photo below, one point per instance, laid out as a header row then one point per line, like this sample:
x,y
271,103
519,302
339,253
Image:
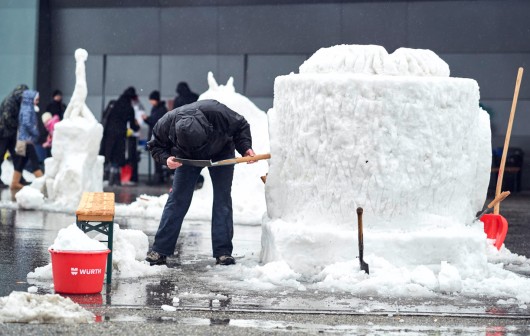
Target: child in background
x,y
49,122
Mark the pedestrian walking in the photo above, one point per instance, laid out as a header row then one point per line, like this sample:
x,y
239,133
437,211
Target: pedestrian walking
x,y
9,111
27,137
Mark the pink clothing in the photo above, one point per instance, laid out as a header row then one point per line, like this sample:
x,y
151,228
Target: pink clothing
x,y
50,126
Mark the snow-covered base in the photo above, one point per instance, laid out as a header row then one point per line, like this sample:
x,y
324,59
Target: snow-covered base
x,y
23,307
308,249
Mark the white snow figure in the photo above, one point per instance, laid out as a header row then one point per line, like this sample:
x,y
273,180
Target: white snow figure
x,y
75,165
248,191
393,134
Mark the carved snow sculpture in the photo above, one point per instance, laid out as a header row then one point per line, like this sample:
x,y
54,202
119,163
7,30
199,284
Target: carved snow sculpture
x,y
75,165
393,134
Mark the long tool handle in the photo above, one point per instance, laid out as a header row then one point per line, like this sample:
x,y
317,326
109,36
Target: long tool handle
x,y
364,266
360,232
243,159
507,139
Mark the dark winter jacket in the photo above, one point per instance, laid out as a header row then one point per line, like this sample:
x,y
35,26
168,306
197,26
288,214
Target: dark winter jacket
x,y
226,131
185,95
27,118
157,112
119,115
56,108
9,110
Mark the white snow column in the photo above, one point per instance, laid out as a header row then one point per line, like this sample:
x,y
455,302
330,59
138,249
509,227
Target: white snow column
x,y
412,149
75,165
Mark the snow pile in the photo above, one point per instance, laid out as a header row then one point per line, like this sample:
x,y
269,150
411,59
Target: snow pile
x,y
75,166
374,60
23,307
128,252
413,150
29,198
73,238
248,191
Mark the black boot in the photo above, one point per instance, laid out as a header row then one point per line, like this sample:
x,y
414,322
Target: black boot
x,y
114,176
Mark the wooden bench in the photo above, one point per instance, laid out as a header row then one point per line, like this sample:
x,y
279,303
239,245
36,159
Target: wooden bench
x,y
96,213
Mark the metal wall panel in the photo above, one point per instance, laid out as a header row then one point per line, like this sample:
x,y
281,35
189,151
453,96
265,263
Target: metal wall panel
x,y
189,30
106,31
142,72
278,29
263,69
375,23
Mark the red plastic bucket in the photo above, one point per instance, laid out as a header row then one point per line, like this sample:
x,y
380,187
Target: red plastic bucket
x,y
78,272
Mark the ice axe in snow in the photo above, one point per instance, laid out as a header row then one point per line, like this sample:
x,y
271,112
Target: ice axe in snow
x,y
364,266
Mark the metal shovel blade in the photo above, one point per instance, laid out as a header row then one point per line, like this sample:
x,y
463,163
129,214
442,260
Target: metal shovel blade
x,y
195,163
233,161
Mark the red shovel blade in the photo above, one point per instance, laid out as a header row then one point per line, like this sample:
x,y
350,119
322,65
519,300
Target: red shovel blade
x,y
126,173
496,228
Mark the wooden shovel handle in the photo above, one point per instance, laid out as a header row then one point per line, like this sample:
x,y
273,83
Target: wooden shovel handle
x,y
507,138
498,199
256,157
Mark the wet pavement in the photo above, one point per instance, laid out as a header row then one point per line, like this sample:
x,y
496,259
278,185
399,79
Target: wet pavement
x,y
206,307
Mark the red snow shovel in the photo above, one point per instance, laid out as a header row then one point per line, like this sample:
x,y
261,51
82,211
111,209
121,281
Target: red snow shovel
x,y
496,225
364,266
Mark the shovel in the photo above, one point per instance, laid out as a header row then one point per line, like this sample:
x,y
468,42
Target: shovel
x,y
495,225
364,266
209,163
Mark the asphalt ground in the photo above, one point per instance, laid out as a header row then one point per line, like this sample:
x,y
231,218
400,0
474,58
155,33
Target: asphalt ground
x,y
134,307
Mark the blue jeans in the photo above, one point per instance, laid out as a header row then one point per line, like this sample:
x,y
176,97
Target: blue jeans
x,y
179,201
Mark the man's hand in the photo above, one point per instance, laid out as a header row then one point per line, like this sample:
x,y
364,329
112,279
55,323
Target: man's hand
x,y
171,164
250,152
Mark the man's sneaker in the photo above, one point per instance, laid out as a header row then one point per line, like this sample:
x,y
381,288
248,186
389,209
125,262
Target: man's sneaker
x,y
225,260
155,258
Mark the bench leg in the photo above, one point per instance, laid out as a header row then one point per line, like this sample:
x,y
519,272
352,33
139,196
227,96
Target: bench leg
x,y
109,256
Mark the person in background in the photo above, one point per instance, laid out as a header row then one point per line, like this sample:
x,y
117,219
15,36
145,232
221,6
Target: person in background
x,y
115,133
56,106
205,130
157,111
186,96
49,122
28,132
132,140
9,111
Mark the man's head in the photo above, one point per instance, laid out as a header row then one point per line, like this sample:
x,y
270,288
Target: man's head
x,y
57,95
191,134
154,98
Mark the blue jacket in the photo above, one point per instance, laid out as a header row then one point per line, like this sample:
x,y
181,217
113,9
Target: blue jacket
x,y
27,118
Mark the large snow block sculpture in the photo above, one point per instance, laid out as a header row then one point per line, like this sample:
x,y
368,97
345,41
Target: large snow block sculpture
x,y
393,134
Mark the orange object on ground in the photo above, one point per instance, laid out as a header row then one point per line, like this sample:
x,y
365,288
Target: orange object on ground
x,y
496,227
78,272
